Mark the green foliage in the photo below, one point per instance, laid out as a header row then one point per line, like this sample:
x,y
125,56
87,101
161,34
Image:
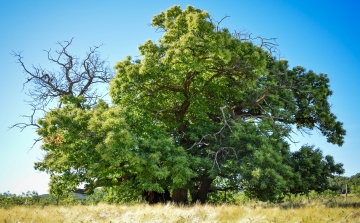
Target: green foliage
x,y
314,170
32,198
84,145
29,198
114,195
353,183
228,197
200,110
259,163
326,195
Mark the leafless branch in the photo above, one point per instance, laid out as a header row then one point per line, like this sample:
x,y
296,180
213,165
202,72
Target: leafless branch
x,y
216,24
31,123
75,77
225,125
291,139
36,141
270,44
222,150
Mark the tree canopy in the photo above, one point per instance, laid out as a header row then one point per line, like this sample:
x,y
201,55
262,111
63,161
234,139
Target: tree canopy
x,y
200,106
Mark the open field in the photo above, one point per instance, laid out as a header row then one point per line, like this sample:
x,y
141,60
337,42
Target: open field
x,y
256,212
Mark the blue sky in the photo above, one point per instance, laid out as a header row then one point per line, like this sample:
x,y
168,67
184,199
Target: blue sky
x,y
319,35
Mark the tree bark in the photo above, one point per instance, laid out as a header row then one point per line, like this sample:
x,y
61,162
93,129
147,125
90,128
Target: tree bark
x,y
200,193
179,196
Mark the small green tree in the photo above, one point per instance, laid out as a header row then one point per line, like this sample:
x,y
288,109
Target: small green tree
x,y
353,184
314,170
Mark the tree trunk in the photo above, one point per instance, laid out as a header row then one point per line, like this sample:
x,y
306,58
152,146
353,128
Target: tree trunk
x,y
200,194
179,196
153,197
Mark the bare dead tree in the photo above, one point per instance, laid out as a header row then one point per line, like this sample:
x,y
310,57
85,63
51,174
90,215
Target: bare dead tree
x,y
75,77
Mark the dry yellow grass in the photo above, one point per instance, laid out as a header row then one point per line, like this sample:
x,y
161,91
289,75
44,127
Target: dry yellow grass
x,y
173,213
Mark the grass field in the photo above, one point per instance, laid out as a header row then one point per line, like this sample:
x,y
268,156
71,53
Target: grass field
x,y
251,212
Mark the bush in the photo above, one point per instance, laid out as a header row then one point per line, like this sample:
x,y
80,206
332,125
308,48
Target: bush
x,y
29,198
232,197
113,195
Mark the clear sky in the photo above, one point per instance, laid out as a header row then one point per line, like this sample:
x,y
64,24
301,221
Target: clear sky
x,y
319,35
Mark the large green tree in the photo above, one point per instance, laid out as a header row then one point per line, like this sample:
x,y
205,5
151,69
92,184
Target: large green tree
x,y
199,105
